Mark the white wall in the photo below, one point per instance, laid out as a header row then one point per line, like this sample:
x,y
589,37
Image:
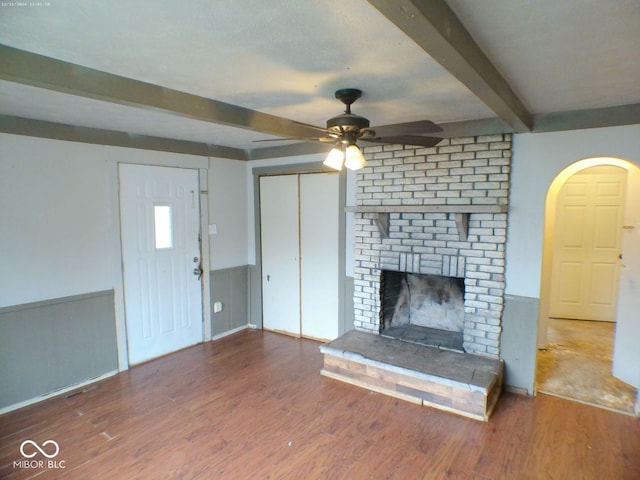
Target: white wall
x,y
59,215
537,159
56,199
55,213
228,211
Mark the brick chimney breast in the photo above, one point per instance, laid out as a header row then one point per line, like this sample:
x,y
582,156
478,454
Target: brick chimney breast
x,y
436,211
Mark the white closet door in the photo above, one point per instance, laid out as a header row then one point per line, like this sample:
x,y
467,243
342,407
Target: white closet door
x,y
319,249
280,253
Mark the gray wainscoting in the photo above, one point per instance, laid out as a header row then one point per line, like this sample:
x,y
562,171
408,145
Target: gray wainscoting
x,y
518,342
53,344
231,287
349,315
255,296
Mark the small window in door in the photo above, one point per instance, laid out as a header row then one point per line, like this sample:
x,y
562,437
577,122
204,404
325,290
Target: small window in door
x,y
163,221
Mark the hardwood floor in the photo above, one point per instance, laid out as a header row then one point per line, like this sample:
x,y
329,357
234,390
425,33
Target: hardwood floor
x,y
254,405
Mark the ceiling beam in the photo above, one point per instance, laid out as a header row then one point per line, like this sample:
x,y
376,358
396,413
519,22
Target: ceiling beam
x,y
303,148
589,118
98,136
435,28
551,122
28,68
472,128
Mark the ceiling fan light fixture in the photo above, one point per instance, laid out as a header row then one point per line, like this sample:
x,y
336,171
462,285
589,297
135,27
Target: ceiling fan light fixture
x,y
354,160
335,158
345,130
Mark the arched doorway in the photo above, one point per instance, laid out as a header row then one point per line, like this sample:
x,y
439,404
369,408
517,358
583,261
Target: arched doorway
x,y
585,217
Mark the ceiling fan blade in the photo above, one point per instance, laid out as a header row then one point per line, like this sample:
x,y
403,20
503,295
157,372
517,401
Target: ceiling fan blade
x,y
407,128
417,140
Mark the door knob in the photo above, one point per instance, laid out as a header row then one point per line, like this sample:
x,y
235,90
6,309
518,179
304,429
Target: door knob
x,y
198,272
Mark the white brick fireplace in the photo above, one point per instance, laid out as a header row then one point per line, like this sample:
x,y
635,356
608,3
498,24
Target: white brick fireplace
x,y
437,211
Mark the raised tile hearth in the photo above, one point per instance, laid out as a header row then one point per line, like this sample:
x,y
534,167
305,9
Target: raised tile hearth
x,y
465,384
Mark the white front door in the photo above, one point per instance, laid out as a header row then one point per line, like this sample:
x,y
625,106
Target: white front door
x,y
587,238
160,231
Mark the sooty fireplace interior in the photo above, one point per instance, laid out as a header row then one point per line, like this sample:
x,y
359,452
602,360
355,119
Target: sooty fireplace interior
x,y
424,309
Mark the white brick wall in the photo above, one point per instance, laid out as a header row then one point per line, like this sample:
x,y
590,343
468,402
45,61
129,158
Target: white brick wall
x,y
459,171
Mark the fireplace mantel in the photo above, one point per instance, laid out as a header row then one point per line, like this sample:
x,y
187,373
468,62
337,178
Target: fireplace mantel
x,y
461,213
427,209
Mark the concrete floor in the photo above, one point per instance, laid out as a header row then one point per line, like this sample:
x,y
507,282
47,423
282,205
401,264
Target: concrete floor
x,y
577,365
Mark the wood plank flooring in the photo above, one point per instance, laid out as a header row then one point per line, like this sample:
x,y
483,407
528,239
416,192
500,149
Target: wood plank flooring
x,y
254,405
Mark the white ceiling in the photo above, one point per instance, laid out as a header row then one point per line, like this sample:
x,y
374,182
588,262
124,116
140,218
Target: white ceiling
x,y
560,55
287,57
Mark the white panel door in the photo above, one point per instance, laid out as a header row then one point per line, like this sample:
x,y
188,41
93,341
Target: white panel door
x,y
160,228
319,252
280,253
586,266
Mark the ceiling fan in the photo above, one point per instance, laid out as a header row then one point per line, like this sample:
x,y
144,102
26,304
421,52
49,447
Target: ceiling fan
x,y
346,129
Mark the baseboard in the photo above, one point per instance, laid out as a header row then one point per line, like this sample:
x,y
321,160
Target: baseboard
x,y
56,393
516,390
229,332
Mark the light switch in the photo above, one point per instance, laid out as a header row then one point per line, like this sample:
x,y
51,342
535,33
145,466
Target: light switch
x,y
217,307
213,229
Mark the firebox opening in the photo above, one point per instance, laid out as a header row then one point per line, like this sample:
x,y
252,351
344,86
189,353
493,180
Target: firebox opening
x,y
420,308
